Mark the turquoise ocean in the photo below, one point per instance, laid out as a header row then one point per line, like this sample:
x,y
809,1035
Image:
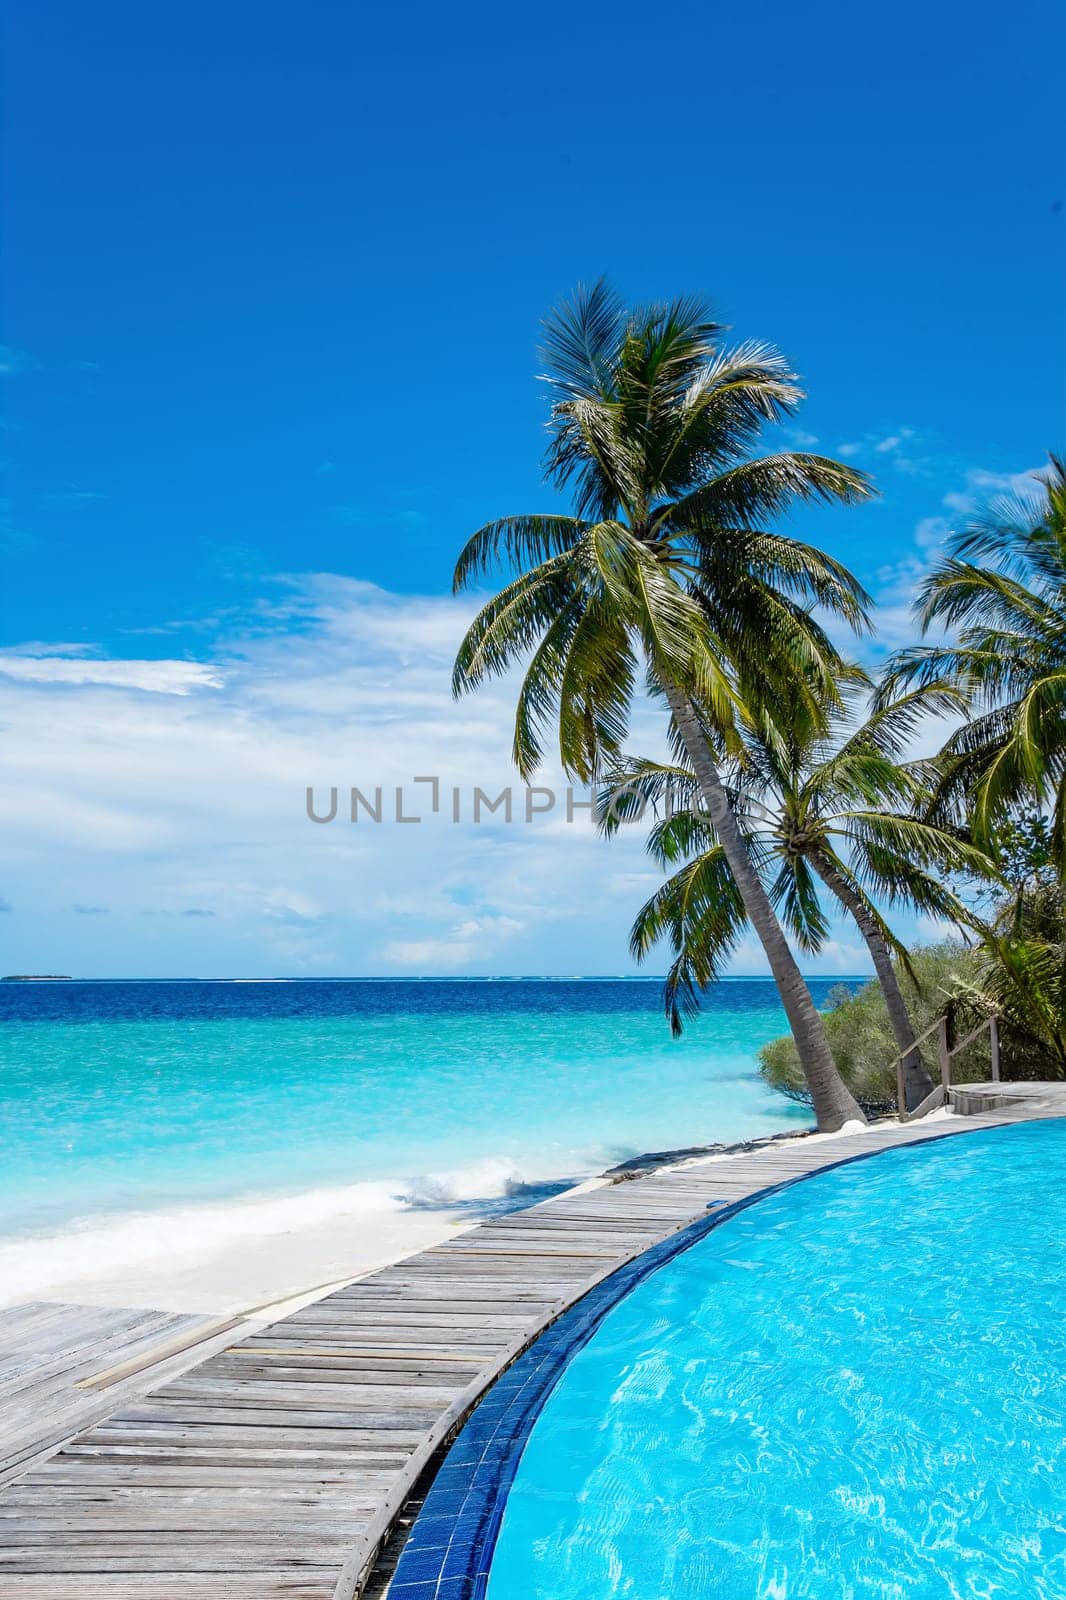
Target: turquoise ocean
x,y
126,1099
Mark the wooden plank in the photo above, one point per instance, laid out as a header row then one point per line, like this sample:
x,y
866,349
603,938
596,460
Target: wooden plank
x,y
274,1466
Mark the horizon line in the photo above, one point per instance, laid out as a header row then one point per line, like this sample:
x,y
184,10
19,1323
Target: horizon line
x,y
430,977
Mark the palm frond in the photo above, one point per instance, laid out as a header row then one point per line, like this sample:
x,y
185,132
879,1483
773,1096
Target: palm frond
x,y
753,492
795,893
699,912
579,343
517,542
512,623
632,784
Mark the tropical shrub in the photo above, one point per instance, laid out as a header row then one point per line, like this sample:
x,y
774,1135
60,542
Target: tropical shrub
x,y
860,1034
1020,977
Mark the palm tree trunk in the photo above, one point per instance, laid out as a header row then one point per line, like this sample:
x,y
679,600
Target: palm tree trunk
x,y
916,1080
833,1102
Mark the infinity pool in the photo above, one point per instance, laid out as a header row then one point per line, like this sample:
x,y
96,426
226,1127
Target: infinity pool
x,y
852,1390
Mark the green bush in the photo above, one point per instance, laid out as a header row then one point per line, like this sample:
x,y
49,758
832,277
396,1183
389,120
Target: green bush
x,y
1021,978
861,1038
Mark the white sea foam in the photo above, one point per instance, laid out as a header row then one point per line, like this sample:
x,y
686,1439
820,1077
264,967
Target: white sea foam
x,y
30,1265
99,1245
485,1180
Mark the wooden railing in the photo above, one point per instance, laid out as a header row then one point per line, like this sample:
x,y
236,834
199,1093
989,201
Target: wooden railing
x,y
945,1054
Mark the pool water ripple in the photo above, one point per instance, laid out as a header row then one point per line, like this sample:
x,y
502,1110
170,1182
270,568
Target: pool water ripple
x,y
852,1390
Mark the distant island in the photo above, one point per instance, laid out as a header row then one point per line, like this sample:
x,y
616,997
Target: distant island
x,y
37,977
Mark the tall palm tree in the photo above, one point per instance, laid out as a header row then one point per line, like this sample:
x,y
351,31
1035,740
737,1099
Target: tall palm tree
x,y
666,559
834,807
1002,586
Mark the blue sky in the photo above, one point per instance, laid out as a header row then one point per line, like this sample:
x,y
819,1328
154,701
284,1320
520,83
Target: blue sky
x,y
272,285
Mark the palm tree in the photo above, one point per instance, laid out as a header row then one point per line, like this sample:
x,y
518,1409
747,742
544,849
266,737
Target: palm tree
x,y
1002,586
666,560
832,806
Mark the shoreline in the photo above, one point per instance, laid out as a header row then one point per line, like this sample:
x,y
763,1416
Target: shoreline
x,y
248,1254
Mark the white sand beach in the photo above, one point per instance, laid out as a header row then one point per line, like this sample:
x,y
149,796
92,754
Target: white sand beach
x,y
231,1260
236,1257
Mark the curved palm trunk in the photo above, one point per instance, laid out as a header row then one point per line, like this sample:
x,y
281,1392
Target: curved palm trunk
x,y
916,1080
833,1102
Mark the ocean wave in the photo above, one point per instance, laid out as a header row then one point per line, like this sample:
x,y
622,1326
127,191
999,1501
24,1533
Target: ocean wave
x,y
484,1180
98,1245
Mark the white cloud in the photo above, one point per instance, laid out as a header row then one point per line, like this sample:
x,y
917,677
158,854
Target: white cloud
x,y
476,940
899,449
838,958
629,883
36,647
156,787
931,533
173,793
930,930
982,485
898,582
153,677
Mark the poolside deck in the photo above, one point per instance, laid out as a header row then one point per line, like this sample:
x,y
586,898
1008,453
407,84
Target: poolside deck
x,y
273,1468
46,1349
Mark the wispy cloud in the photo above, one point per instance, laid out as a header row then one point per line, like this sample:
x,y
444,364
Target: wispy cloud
x,y
932,931
151,677
898,582
983,485
799,438
901,449
477,940
173,793
14,362
70,499
49,647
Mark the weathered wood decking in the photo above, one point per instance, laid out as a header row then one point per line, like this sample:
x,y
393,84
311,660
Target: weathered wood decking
x,y
46,1348
271,1469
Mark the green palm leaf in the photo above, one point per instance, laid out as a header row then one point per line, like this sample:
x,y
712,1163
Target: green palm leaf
x,y
1002,589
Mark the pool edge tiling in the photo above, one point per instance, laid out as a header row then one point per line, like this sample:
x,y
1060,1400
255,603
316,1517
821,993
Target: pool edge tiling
x,y
449,1550
448,1554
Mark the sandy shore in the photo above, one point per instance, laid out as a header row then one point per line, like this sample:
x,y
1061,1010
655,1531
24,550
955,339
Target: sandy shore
x,y
237,1273
252,1254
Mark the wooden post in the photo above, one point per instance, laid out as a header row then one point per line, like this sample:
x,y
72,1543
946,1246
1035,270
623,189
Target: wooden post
x,y
901,1092
993,1039
944,1052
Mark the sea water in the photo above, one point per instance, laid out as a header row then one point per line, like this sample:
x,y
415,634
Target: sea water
x,y
124,1098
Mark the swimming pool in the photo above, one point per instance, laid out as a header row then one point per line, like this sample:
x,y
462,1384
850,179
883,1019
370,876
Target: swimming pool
x,y
849,1390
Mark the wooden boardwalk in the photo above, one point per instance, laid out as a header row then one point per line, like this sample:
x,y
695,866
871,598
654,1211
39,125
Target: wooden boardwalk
x,y
273,1468
46,1349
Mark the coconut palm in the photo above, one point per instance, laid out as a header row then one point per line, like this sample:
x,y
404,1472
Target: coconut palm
x,y
667,561
1002,587
820,809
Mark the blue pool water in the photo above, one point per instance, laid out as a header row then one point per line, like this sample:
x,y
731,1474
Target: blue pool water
x,y
852,1390
120,1098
